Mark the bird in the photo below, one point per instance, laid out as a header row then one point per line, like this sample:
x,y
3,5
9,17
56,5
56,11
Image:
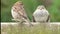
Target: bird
x,y
41,14
18,12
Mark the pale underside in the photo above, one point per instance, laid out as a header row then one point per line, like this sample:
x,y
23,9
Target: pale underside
x,y
41,15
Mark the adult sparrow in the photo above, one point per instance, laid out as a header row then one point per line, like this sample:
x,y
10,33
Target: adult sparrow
x,y
18,12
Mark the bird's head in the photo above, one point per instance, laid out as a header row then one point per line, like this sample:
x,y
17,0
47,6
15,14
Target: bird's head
x,y
41,7
18,6
18,3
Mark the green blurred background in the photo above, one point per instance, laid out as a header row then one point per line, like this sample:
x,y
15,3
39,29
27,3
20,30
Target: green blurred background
x,y
53,6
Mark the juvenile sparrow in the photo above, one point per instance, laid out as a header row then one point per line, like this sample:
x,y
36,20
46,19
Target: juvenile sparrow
x,y
18,12
41,14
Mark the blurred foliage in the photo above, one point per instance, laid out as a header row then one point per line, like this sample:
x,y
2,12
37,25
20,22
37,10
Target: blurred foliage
x,y
53,6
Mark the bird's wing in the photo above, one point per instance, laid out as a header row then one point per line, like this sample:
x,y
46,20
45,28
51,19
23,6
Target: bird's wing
x,y
22,13
33,19
48,18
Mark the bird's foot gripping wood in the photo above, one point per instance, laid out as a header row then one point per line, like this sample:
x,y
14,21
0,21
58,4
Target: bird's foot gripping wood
x,y
21,22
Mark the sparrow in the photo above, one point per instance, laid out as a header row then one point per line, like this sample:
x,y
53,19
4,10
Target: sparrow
x,y
41,14
18,12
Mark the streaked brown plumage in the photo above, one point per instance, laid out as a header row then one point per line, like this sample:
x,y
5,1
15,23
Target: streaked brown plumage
x,y
18,12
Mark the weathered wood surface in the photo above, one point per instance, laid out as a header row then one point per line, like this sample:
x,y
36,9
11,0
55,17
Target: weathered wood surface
x,y
12,23
33,23
13,27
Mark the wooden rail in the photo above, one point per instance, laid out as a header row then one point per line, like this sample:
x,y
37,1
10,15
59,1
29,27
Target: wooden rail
x,y
14,23
14,28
